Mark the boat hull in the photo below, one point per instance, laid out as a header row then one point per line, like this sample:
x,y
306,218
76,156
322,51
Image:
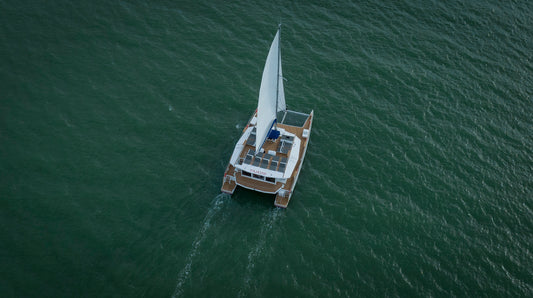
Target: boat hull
x,y
282,188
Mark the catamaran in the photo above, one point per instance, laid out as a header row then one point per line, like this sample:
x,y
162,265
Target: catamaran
x,y
269,154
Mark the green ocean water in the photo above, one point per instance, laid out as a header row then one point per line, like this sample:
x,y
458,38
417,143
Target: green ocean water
x,y
118,118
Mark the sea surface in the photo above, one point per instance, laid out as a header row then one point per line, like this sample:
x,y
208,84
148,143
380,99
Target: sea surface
x,y
118,118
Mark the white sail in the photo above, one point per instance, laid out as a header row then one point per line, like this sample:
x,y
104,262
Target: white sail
x,y
268,94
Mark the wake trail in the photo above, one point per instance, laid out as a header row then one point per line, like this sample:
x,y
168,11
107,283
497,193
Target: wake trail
x,y
268,221
183,276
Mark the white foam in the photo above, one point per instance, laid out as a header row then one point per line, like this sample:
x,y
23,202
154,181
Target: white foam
x,y
268,221
185,272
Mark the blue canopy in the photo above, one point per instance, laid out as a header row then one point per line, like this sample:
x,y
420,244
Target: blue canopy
x,y
274,134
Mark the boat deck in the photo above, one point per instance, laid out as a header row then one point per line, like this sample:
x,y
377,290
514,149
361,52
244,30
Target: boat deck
x,y
283,191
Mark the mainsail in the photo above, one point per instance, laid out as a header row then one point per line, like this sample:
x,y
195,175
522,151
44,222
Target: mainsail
x,y
271,94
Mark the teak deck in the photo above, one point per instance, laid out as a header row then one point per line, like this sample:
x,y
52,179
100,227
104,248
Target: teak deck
x,y
283,191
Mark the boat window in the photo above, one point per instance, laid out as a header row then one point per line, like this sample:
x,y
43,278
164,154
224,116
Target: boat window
x,y
244,173
270,179
259,177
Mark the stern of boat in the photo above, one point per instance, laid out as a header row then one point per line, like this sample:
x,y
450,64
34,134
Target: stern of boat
x,y
228,183
282,198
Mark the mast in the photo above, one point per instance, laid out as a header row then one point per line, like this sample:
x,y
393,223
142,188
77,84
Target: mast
x,y
277,83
